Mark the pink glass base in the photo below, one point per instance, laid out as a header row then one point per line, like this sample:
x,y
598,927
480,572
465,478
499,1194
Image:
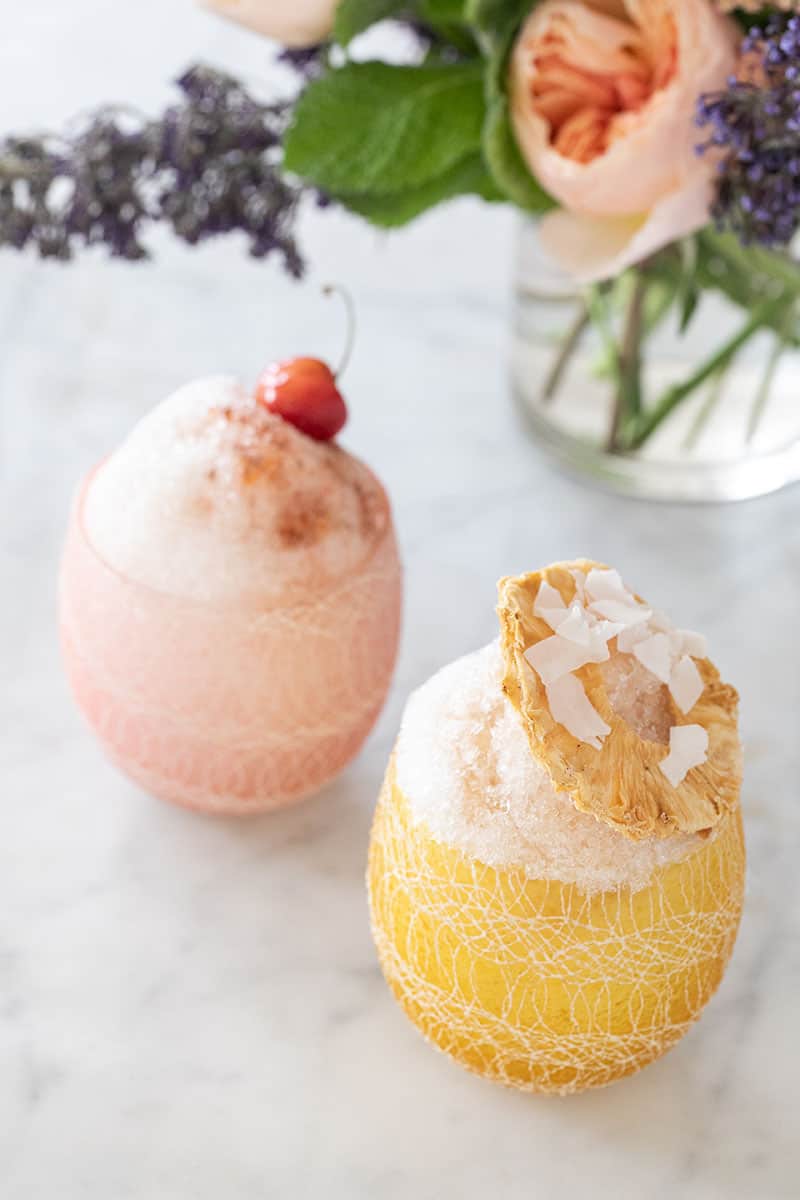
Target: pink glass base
x,y
225,709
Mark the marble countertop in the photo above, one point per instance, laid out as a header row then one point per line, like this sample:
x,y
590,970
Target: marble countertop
x,y
191,1008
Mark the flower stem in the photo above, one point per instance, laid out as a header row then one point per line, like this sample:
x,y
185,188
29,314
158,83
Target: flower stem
x,y
674,395
764,388
707,407
597,305
336,289
569,345
628,399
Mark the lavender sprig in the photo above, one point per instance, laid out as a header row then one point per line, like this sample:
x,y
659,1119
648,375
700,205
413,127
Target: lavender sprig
x,y
308,61
210,165
755,125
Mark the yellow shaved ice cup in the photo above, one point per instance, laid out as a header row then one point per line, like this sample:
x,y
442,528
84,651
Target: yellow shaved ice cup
x,y
535,983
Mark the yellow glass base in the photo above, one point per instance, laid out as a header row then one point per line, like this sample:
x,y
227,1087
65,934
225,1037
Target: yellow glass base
x,y
534,983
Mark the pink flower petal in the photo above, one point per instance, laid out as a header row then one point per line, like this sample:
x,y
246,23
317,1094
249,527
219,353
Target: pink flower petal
x,y
593,248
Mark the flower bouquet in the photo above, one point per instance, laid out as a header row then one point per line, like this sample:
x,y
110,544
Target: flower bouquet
x,y
652,146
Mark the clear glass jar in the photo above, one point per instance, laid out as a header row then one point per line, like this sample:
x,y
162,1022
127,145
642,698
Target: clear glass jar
x,y
735,436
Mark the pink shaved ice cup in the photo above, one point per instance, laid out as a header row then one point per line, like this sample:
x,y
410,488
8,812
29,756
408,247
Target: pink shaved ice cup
x,y
228,708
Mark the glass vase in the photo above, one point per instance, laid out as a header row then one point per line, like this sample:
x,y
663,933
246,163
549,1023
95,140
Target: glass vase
x,y
734,435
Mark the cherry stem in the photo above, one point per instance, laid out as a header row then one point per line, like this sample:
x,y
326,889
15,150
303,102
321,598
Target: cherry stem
x,y
335,289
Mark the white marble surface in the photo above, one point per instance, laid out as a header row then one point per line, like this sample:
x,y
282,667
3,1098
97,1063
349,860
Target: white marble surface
x,y
191,1009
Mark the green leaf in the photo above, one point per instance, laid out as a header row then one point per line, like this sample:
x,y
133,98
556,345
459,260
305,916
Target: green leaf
x,y
505,161
354,16
371,128
760,269
688,307
495,17
500,20
688,290
442,12
751,275
467,177
448,21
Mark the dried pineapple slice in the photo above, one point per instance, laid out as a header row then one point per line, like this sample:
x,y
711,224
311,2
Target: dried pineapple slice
x,y
620,782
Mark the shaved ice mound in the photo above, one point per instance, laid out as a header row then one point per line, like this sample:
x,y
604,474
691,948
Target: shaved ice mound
x,y
464,762
213,498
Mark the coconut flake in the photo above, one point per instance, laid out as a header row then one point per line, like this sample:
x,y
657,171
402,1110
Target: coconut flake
x,y
685,684
660,621
548,599
688,747
628,637
675,644
553,616
580,587
572,708
601,609
606,585
575,627
606,630
555,656
693,643
654,654
625,612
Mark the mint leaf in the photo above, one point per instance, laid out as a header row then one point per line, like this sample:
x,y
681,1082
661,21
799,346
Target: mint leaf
x,y
506,163
354,16
500,20
467,177
442,12
497,17
380,129
447,20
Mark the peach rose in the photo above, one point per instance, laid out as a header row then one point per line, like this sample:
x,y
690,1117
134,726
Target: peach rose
x,y
603,97
292,22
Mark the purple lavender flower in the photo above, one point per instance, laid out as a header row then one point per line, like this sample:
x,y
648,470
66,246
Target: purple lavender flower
x,y
307,61
754,127
210,165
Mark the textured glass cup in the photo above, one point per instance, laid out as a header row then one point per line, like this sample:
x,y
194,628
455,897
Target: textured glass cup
x,y
222,707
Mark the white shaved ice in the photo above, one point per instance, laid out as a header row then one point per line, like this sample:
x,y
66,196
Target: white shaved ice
x,y
688,747
213,498
685,684
572,708
638,697
465,767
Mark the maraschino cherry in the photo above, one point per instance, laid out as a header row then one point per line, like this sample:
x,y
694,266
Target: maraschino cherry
x,y
303,390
